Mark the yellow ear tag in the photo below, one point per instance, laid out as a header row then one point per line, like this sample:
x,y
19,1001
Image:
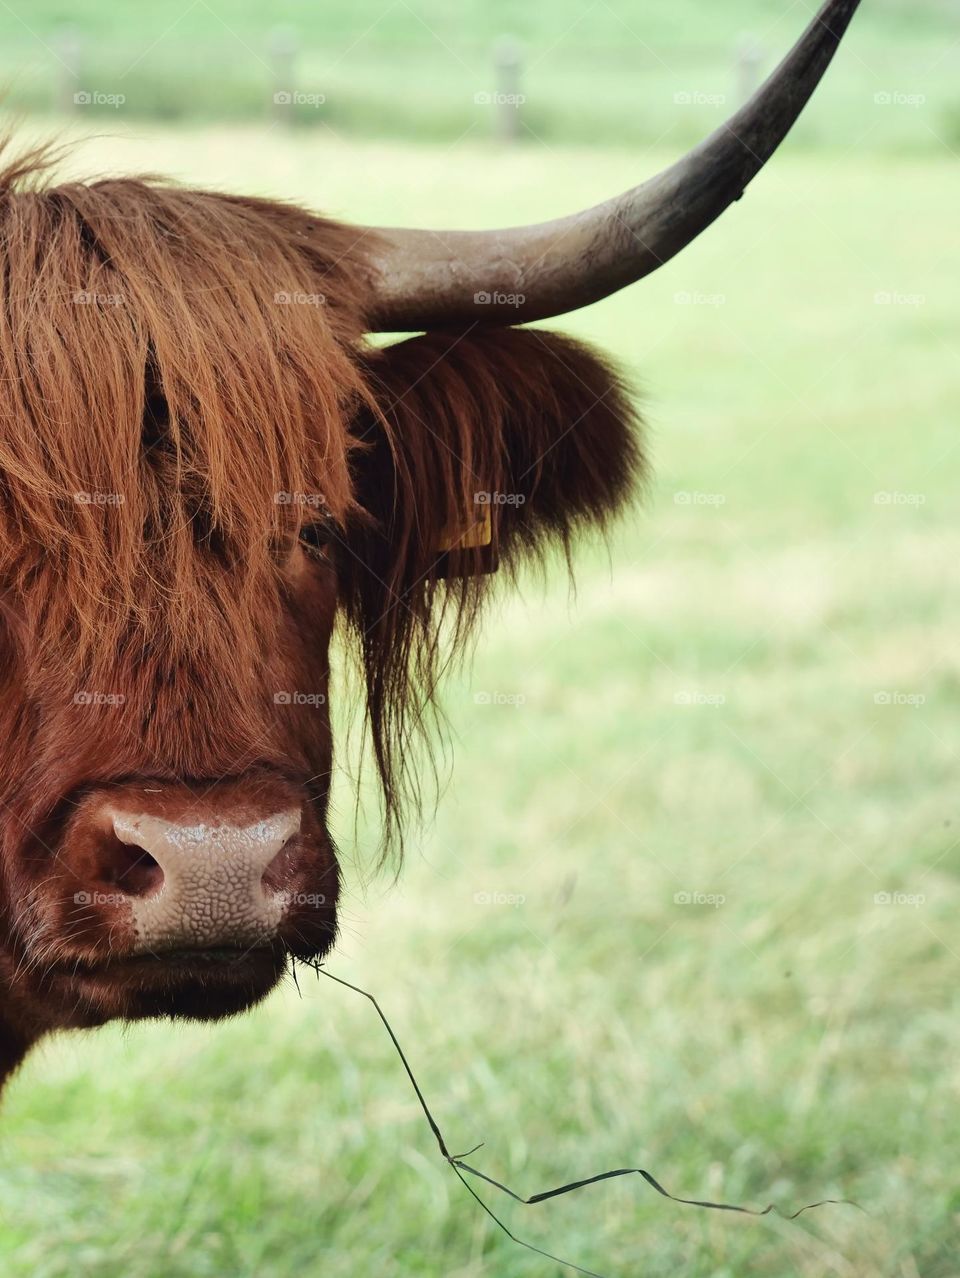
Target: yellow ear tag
x,y
476,536
479,533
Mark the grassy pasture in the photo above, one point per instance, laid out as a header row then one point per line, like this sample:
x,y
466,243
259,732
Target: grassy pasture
x,y
754,696
603,72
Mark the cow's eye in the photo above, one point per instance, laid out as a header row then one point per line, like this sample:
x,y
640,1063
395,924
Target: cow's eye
x,y
315,539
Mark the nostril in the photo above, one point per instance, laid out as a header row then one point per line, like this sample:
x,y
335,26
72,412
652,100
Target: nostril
x,y
130,868
276,877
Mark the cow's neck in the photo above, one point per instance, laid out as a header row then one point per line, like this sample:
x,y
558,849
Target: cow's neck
x,y
14,1046
23,1022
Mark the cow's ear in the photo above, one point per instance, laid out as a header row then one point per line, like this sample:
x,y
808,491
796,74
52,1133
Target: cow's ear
x,y
487,444
474,449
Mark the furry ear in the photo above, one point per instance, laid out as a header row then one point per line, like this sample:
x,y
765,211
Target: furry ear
x,y
502,436
485,445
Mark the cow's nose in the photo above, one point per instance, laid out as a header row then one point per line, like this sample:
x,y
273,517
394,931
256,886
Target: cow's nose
x,y
203,884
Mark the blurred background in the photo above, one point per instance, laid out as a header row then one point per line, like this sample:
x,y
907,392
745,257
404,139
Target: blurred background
x,y
689,900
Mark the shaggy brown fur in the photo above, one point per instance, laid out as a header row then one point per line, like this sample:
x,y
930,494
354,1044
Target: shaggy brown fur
x,y
532,422
170,362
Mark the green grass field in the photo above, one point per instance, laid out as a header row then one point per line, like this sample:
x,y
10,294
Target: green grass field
x,y
754,696
595,71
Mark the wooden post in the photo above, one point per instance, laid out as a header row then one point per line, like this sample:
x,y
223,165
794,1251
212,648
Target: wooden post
x,y
67,47
508,64
282,47
749,60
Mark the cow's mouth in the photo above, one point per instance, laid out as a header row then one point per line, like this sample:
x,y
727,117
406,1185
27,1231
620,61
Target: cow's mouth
x,y
203,983
213,954
166,960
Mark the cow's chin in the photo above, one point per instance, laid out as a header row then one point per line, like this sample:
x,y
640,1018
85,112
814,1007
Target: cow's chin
x,y
200,985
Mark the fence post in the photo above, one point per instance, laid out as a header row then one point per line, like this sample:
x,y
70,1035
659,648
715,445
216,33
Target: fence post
x,y
508,65
67,47
283,47
749,56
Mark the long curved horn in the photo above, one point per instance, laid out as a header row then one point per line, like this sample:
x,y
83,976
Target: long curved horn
x,y
430,279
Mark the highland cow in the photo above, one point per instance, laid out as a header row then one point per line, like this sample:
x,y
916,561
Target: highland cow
x,y
204,469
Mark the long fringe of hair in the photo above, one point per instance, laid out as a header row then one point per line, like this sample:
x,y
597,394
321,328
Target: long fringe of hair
x,y
524,437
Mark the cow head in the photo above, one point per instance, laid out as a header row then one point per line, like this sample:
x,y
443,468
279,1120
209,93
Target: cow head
x,y
201,473
204,470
